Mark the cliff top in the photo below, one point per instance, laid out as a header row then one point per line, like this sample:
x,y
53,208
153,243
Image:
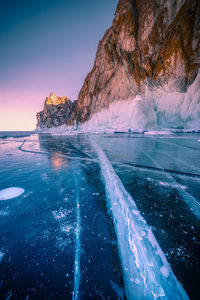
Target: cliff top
x,y
55,100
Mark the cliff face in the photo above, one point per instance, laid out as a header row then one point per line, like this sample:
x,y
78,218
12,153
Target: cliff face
x,y
57,111
154,42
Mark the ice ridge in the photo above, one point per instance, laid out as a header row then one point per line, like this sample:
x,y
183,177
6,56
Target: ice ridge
x,y
147,274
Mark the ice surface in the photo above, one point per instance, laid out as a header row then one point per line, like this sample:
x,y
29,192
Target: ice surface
x,y
173,185
10,193
66,228
16,134
3,212
118,290
147,274
62,213
1,256
158,109
192,203
77,274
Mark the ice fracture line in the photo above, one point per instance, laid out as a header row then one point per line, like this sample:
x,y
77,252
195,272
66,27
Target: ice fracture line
x,y
147,273
192,203
77,274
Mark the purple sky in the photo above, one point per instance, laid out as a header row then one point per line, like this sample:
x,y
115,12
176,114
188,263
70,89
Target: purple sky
x,y
46,46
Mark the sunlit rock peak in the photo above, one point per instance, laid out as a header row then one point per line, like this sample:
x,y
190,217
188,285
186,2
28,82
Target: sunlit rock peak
x,y
55,100
57,111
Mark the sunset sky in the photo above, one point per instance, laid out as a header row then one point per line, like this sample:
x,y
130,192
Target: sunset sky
x,y
46,46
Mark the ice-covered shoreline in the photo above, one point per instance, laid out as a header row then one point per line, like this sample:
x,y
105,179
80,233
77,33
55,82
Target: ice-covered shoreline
x,y
156,112
64,130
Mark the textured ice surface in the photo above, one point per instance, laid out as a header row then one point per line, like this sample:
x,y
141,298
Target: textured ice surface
x,y
118,290
6,134
10,193
173,185
147,274
77,273
1,256
192,203
60,214
3,212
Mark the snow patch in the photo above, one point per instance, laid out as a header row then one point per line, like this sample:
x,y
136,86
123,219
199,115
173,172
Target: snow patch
x,y
60,214
156,132
66,228
10,193
3,213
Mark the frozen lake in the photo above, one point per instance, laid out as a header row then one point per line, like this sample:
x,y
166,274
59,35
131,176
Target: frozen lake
x,y
65,235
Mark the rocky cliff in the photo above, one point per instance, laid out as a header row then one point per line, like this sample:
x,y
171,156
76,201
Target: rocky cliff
x,y
57,111
154,43
151,45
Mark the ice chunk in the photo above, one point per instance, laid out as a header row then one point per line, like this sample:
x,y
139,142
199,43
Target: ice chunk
x,y
147,274
156,132
10,193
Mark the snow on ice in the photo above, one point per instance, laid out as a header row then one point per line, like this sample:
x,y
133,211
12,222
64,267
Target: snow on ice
x,y
10,193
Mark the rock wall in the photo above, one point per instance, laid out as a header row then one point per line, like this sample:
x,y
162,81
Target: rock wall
x,y
154,43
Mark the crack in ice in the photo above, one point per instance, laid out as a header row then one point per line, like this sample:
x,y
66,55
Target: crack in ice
x,y
192,203
147,274
50,154
77,275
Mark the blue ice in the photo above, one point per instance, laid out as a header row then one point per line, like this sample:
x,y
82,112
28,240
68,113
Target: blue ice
x,y
147,273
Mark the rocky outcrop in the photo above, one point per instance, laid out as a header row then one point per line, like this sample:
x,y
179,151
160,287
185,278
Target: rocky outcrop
x,y
57,111
154,42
